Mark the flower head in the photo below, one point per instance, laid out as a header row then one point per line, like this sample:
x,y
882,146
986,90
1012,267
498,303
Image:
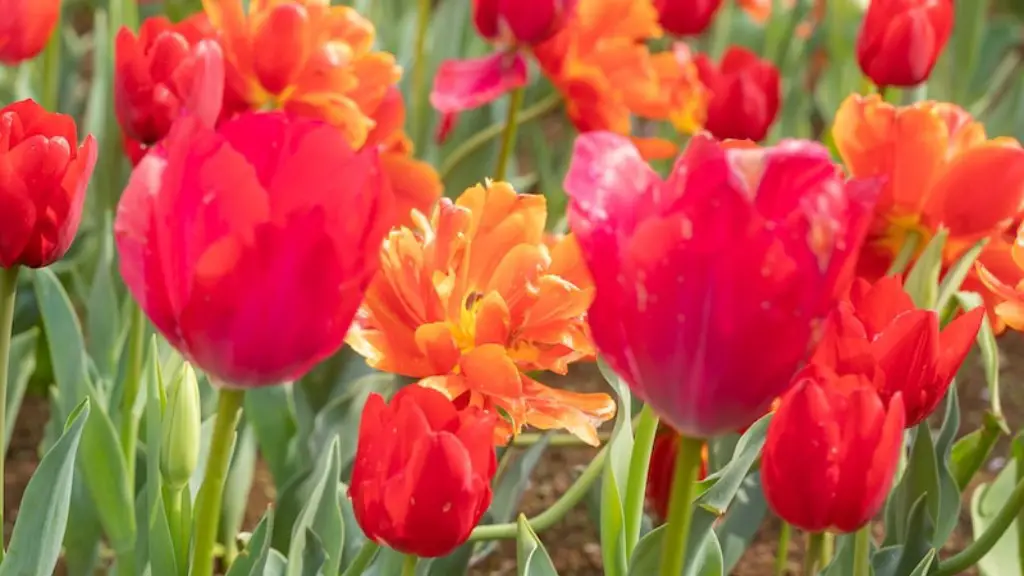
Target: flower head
x,y
711,284
831,452
686,17
745,94
900,40
421,479
25,28
43,178
473,299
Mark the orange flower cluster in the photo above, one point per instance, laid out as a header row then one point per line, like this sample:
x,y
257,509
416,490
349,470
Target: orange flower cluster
x,y
473,299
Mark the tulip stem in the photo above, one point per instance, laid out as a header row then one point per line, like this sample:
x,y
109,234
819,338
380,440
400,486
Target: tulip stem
x,y
862,551
130,393
970,556
815,542
508,141
8,294
179,531
636,484
782,552
680,507
555,512
409,565
208,503
419,71
366,555
828,544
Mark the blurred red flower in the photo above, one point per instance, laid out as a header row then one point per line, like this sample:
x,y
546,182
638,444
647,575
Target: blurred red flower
x,y
879,326
43,178
246,249
662,470
25,28
686,17
745,94
831,452
900,40
693,273
422,474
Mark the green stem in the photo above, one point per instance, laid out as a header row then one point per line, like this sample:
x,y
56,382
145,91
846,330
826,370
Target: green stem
x,y
207,519
555,512
828,544
905,255
636,484
680,507
51,69
366,555
815,542
508,141
419,71
8,294
1017,448
917,93
132,381
862,552
409,565
179,532
983,544
782,551
483,137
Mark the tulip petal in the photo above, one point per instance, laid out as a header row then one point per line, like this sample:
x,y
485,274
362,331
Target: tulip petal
x,y
955,342
979,191
466,84
880,303
907,352
858,497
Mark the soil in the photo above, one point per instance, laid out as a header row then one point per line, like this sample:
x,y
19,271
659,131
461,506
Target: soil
x,y
573,543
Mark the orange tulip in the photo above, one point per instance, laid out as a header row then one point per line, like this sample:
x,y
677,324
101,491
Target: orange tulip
x,y
940,170
313,59
473,299
1003,274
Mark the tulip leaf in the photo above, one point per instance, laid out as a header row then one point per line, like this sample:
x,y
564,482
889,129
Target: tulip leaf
x,y
989,350
957,273
513,481
158,541
22,363
949,492
703,557
986,502
742,522
313,556
35,542
103,323
905,557
269,411
922,283
64,338
920,480
970,452
238,484
613,481
531,557
252,560
321,517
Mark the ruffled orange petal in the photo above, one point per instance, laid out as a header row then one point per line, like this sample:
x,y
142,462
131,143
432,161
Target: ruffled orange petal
x,y
578,413
416,184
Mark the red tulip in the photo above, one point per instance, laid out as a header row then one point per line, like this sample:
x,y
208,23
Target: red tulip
x,y
744,91
43,178
519,21
422,474
662,470
709,284
686,17
880,326
25,28
900,40
246,248
155,73
831,452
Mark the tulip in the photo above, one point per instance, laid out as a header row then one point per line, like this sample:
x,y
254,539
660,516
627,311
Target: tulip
x,y
154,73
880,326
900,40
25,28
710,284
662,470
745,94
519,21
180,430
831,452
43,178
246,248
686,17
422,474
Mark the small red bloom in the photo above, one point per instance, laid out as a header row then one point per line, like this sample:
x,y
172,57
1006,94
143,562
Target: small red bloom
x,y
744,91
662,470
880,326
518,21
154,73
43,178
422,474
831,452
900,40
738,255
686,17
25,28
245,247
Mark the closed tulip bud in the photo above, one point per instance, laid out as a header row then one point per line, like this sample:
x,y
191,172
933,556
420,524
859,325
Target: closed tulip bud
x,y
422,474
831,452
879,326
686,17
711,284
900,40
518,21
180,429
25,28
662,470
745,94
43,178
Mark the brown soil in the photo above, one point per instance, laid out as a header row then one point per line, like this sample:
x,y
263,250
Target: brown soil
x,y
573,543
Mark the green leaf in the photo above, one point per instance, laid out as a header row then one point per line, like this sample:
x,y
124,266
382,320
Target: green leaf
x,y
742,522
920,480
613,481
19,371
35,543
965,44
704,556
949,492
513,481
160,543
321,516
922,283
253,559
354,538
64,338
238,484
989,350
903,558
957,273
531,557
986,502
103,323
269,410
313,556
972,450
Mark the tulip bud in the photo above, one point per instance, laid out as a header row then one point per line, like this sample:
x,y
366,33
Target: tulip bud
x,y
25,28
180,429
745,94
662,470
686,17
518,21
900,40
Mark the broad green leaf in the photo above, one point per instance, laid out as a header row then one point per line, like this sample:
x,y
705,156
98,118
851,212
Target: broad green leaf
x,y
989,349
703,557
313,556
922,283
970,452
742,522
613,481
986,502
35,542
920,481
513,482
910,553
957,273
253,559
949,492
238,484
354,537
160,543
19,370
291,497
321,516
531,557
64,338
966,42
269,411
103,323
